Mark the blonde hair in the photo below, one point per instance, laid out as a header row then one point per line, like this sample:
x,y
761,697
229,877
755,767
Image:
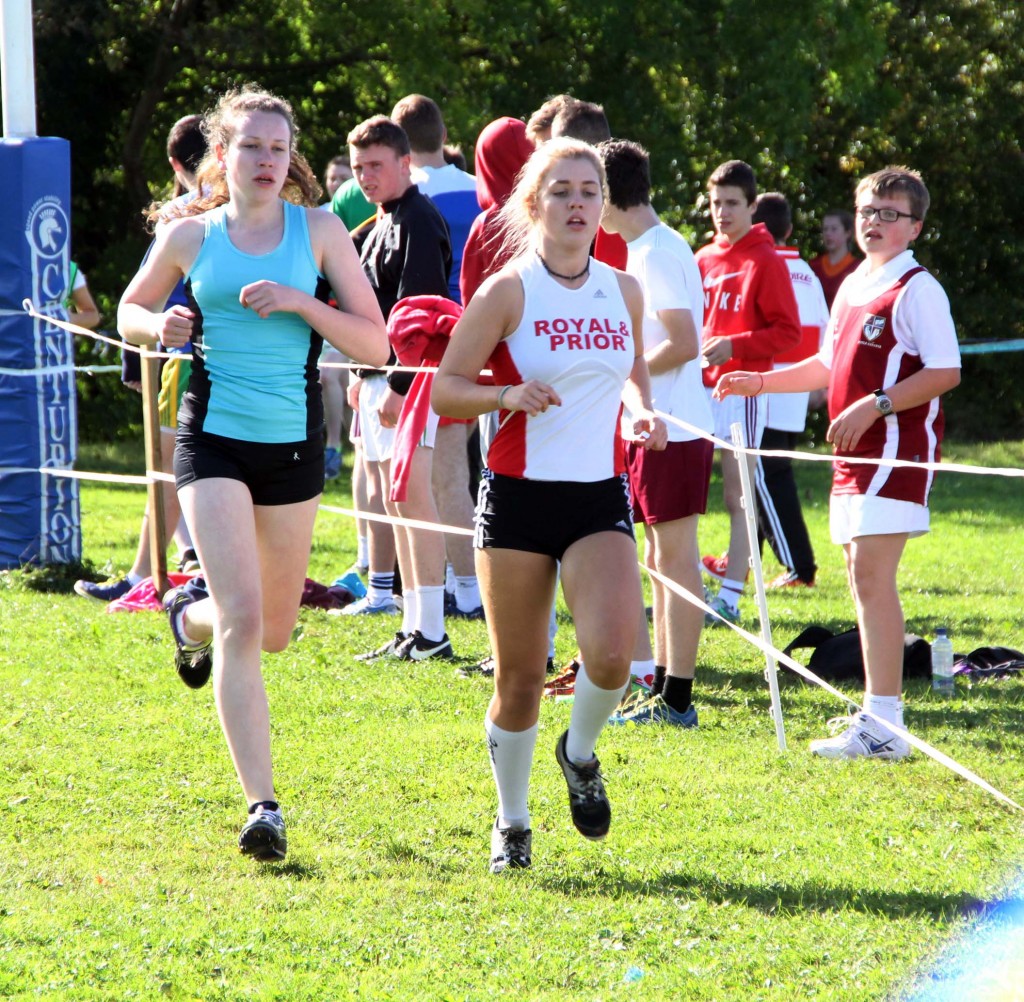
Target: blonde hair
x,y
219,125
517,218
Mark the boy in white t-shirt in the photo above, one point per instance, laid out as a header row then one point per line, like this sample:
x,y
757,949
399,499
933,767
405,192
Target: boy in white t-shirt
x,y
669,488
889,354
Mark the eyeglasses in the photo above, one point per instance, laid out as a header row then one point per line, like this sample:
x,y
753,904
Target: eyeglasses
x,y
868,212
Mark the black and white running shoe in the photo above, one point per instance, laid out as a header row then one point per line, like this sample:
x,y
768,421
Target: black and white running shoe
x,y
510,848
263,836
417,647
588,803
389,650
193,662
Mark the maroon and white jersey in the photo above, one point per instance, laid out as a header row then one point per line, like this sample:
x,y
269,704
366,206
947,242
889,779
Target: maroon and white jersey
x,y
885,326
579,341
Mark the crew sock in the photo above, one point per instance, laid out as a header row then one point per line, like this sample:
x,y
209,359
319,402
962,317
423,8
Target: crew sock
x,y
381,587
430,611
678,692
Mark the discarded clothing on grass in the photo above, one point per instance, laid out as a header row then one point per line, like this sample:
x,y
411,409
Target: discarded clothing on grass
x,y
991,662
143,596
838,657
321,596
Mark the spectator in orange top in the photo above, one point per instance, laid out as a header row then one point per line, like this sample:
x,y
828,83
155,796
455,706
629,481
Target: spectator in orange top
x,y
837,262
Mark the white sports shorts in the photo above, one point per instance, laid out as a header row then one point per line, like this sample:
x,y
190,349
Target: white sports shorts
x,y
853,515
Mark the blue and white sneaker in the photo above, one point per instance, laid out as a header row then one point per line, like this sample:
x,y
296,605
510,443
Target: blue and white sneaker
x,y
365,608
653,710
107,591
862,738
722,612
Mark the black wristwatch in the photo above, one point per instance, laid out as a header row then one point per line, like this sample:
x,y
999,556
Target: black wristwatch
x,y
882,403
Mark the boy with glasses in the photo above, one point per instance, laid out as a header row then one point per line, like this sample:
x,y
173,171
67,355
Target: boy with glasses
x,y
889,354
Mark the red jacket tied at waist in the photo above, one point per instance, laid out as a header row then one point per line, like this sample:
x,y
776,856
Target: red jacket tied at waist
x,y
419,328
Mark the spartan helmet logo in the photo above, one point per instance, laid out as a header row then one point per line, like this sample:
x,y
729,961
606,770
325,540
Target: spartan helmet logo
x,y
48,228
873,327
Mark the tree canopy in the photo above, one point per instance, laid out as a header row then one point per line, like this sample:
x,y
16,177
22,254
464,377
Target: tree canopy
x,y
812,94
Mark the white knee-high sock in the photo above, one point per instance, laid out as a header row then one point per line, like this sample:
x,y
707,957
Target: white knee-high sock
x,y
511,759
552,630
591,708
410,608
430,611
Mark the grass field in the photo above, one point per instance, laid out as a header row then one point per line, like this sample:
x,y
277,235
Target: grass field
x,y
732,871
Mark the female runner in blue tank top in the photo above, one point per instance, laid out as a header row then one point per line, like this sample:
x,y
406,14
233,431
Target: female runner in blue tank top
x,y
563,336
256,258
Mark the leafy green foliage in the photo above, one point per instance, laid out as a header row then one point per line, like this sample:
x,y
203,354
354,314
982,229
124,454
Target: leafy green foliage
x,y
813,95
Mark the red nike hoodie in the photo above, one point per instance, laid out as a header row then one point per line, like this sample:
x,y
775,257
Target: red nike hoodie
x,y
748,298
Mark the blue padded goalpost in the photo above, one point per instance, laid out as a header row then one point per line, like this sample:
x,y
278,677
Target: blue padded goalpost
x,y
40,520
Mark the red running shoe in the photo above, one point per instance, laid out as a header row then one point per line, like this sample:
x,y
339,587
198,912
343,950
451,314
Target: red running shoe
x,y
564,683
716,567
788,579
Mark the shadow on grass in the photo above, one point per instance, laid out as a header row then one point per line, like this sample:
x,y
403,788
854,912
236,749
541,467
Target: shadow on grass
x,y
773,899
294,869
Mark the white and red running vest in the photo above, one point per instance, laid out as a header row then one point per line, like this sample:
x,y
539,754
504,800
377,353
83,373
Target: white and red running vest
x,y
866,357
579,341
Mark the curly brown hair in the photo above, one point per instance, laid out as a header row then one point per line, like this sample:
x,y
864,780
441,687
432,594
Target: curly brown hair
x,y
301,185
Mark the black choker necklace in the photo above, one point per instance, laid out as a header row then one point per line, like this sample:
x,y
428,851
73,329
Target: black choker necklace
x,y
565,278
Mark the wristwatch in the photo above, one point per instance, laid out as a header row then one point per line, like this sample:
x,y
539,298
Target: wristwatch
x,y
882,403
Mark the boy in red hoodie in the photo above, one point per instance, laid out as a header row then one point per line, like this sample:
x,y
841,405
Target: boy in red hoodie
x,y
750,315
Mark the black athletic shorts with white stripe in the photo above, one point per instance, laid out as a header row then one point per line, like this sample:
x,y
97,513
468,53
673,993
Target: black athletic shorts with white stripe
x,y
548,516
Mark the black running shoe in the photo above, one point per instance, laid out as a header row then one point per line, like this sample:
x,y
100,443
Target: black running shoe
x,y
588,803
457,613
193,662
263,836
510,848
486,667
417,647
389,650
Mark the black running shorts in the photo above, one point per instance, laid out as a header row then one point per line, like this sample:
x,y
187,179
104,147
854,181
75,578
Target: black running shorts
x,y
548,516
275,472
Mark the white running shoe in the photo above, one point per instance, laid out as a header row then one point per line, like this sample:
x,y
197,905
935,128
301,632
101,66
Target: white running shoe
x,y
862,738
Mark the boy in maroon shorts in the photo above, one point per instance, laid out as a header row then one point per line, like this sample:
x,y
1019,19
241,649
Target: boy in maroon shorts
x,y
670,488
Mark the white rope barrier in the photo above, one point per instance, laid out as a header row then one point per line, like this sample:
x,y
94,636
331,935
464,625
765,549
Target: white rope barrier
x,y
814,457
782,658
144,350
773,656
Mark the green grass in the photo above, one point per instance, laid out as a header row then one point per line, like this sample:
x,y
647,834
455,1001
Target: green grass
x,y
732,872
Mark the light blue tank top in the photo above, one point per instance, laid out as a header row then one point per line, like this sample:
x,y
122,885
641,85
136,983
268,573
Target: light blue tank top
x,y
254,379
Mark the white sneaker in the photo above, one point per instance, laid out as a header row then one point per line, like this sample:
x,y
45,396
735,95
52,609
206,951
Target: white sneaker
x,y
863,738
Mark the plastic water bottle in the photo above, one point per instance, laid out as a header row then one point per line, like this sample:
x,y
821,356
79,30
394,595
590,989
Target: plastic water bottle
x,y
942,664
